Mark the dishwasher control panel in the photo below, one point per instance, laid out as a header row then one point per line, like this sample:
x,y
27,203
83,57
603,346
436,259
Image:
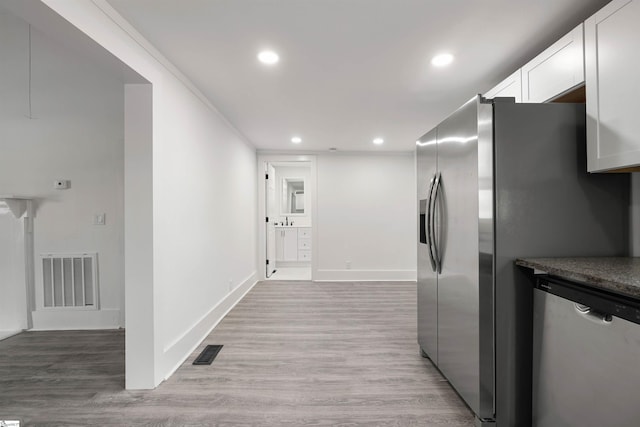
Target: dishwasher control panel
x,y
596,299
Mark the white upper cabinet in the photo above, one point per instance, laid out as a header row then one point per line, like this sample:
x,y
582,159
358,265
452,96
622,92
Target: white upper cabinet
x,y
556,70
612,43
511,86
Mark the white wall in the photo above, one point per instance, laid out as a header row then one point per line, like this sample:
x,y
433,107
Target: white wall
x,y
205,214
142,343
13,296
365,216
76,134
294,172
204,203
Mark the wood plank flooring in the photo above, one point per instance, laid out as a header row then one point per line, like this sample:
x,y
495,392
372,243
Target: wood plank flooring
x,y
295,354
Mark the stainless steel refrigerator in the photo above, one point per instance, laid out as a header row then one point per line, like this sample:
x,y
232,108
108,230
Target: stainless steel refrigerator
x,y
497,181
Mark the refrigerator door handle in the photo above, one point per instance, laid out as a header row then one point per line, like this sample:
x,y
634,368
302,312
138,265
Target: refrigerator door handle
x,y
428,225
436,255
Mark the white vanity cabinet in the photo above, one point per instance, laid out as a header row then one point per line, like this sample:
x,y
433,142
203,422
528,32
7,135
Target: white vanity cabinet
x,y
556,70
286,244
509,87
612,41
293,244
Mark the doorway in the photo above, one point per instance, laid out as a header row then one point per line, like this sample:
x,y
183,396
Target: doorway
x,y
288,218
16,249
270,203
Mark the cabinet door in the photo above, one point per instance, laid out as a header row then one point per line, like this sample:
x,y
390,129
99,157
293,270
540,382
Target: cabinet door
x,y
290,244
612,40
279,244
556,70
511,87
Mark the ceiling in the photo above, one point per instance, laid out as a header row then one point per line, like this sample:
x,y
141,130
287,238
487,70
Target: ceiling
x,y
350,70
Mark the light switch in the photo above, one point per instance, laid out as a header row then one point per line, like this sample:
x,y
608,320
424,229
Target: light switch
x,y
99,219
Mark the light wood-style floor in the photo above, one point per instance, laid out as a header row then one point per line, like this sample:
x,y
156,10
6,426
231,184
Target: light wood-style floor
x,y
295,354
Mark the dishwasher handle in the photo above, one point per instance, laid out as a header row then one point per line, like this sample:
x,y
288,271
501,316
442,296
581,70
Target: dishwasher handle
x,y
592,315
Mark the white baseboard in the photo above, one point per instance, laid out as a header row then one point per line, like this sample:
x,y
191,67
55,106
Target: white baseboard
x,y
294,264
364,275
4,334
177,352
62,320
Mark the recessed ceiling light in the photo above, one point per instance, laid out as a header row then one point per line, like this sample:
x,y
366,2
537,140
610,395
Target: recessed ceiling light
x,y
442,60
378,141
268,57
296,140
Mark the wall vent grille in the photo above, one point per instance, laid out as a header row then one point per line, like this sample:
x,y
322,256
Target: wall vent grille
x,y
70,280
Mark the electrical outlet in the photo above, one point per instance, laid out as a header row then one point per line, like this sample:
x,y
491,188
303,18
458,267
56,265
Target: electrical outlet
x,y
348,265
99,219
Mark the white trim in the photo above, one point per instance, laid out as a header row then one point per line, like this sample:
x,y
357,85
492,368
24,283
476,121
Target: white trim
x,y
176,352
365,276
65,320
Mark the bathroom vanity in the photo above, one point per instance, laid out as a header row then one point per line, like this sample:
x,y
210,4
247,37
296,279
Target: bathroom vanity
x,y
293,244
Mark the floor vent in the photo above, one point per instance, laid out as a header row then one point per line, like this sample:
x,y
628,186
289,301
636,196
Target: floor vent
x,y
70,280
208,354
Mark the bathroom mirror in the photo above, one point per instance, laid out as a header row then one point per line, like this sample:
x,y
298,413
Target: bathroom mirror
x,y
292,198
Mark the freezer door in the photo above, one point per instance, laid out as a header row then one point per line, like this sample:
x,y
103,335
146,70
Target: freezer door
x,y
465,333
427,278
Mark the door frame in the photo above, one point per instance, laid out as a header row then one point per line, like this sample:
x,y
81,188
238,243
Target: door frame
x,y
269,169
264,158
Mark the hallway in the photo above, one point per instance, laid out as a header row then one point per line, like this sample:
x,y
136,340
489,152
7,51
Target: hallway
x,y
295,353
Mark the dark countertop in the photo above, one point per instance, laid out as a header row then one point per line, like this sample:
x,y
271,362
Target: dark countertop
x,y
619,275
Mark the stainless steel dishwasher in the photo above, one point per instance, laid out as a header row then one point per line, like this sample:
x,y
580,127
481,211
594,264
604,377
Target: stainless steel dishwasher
x,y
586,357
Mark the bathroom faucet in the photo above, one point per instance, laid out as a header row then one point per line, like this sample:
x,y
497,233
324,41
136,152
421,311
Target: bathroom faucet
x,y
287,218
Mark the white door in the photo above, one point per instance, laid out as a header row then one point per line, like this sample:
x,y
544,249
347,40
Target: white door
x,y
271,214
